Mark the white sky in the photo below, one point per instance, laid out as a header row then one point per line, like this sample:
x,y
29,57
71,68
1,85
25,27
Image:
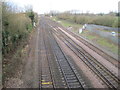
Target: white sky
x,y
93,6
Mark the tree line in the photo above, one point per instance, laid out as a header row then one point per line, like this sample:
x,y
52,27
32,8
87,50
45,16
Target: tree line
x,y
111,19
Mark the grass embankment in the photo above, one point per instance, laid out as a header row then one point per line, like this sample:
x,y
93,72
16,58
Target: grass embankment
x,y
75,27
16,30
102,42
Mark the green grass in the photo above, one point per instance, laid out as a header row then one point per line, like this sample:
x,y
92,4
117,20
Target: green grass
x,y
88,36
68,23
112,47
103,42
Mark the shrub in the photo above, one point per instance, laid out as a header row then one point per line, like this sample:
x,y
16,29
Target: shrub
x,y
16,27
104,19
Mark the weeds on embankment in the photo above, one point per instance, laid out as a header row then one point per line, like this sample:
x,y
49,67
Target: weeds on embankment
x,y
16,28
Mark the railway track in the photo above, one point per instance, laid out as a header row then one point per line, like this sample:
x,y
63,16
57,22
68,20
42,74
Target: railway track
x,y
45,77
97,50
88,44
70,76
111,59
103,73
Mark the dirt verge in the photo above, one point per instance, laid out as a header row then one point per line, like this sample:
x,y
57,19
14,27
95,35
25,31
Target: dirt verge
x,y
14,63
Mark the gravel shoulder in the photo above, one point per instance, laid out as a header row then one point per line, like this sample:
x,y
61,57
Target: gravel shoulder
x,y
103,61
95,82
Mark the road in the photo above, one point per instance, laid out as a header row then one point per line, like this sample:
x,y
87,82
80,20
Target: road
x,y
58,59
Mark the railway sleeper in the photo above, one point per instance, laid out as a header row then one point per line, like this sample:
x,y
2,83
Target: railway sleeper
x,y
70,77
68,72
72,81
73,86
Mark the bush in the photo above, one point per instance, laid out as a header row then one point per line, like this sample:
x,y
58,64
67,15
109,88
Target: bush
x,y
116,22
105,20
16,27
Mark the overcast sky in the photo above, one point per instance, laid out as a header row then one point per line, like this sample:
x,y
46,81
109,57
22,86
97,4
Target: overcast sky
x,y
93,6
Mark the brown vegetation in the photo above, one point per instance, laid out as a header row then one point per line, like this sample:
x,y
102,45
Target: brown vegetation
x,y
16,28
